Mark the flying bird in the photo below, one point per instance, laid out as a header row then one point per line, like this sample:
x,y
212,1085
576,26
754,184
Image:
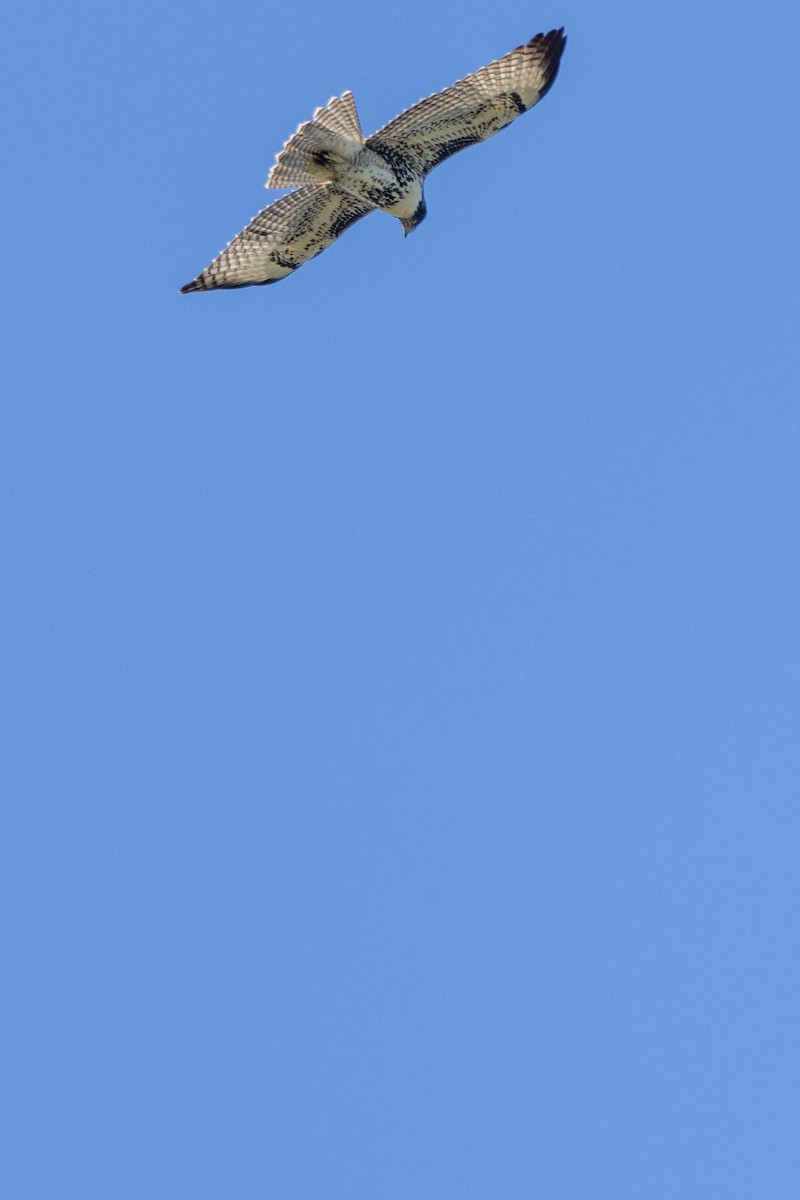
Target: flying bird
x,y
340,175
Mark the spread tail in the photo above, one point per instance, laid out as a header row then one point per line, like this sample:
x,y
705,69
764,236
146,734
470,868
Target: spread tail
x,y
311,154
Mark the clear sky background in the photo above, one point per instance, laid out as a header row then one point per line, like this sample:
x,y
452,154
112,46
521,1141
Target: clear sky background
x,y
401,662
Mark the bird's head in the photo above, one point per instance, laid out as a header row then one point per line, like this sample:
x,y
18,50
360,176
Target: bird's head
x,y
410,223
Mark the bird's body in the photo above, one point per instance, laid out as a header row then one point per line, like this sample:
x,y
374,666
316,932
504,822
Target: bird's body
x,y
340,175
373,178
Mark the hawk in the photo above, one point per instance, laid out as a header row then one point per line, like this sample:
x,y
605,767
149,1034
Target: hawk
x,y
340,175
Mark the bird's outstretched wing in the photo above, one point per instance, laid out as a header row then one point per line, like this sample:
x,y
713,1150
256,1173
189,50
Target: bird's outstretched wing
x,y
282,237
474,108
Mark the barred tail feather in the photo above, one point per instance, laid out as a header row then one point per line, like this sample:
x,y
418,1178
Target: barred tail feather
x,y
340,116
311,154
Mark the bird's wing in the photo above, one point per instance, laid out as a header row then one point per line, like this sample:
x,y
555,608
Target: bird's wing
x,y
475,108
282,237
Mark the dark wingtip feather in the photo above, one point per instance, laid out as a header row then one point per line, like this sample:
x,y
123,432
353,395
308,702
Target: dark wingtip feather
x,y
553,43
194,286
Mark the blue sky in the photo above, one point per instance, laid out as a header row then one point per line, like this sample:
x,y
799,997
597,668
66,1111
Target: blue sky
x,y
401,663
